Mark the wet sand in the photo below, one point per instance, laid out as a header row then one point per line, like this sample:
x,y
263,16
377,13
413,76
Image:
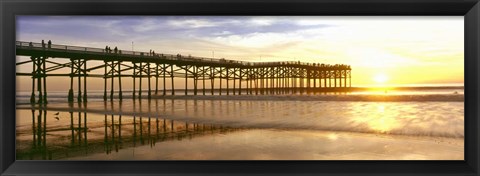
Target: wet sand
x,y
268,144
176,129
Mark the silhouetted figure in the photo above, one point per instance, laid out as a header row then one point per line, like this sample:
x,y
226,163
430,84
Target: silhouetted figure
x,y
150,53
115,50
153,52
43,44
109,50
30,44
49,44
106,49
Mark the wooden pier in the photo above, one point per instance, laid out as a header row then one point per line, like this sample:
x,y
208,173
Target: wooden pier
x,y
259,78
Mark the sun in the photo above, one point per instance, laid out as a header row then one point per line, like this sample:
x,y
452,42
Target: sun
x,y
380,78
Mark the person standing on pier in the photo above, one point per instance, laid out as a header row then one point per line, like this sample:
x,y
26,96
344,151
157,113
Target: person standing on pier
x,y
115,50
43,44
153,53
106,49
49,44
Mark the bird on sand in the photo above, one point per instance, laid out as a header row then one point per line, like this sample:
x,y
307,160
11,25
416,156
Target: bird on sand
x,y
57,118
56,113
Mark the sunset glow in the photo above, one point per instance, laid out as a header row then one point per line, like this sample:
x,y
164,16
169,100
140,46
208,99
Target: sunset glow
x,y
413,50
380,78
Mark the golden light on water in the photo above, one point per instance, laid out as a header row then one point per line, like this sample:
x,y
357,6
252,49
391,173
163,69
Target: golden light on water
x,y
380,120
332,136
383,122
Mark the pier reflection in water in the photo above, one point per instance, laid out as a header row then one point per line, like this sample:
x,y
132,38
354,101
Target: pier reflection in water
x,y
286,130
52,135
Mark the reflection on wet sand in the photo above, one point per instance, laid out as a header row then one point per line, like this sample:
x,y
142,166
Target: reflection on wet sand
x,y
318,130
65,134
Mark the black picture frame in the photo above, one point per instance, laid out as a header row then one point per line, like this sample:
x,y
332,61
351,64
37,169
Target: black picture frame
x,y
470,9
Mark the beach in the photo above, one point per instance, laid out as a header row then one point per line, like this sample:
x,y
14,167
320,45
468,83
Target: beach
x,y
244,127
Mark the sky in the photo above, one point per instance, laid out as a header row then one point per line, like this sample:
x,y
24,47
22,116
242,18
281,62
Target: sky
x,y
381,50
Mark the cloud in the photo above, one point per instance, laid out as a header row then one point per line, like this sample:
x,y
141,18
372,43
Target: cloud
x,y
262,21
191,23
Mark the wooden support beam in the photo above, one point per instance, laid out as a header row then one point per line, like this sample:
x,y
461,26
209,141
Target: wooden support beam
x,y
325,79
149,81
44,80
186,73
105,83
134,77
156,78
112,71
85,81
164,69
141,69
171,76
195,79
32,96
70,92
234,79
340,78
329,79
240,81
39,80
335,72
255,77
203,75
272,84
350,80
212,80
227,78
220,90
282,77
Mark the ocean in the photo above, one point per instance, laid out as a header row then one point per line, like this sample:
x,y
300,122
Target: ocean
x,y
404,123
